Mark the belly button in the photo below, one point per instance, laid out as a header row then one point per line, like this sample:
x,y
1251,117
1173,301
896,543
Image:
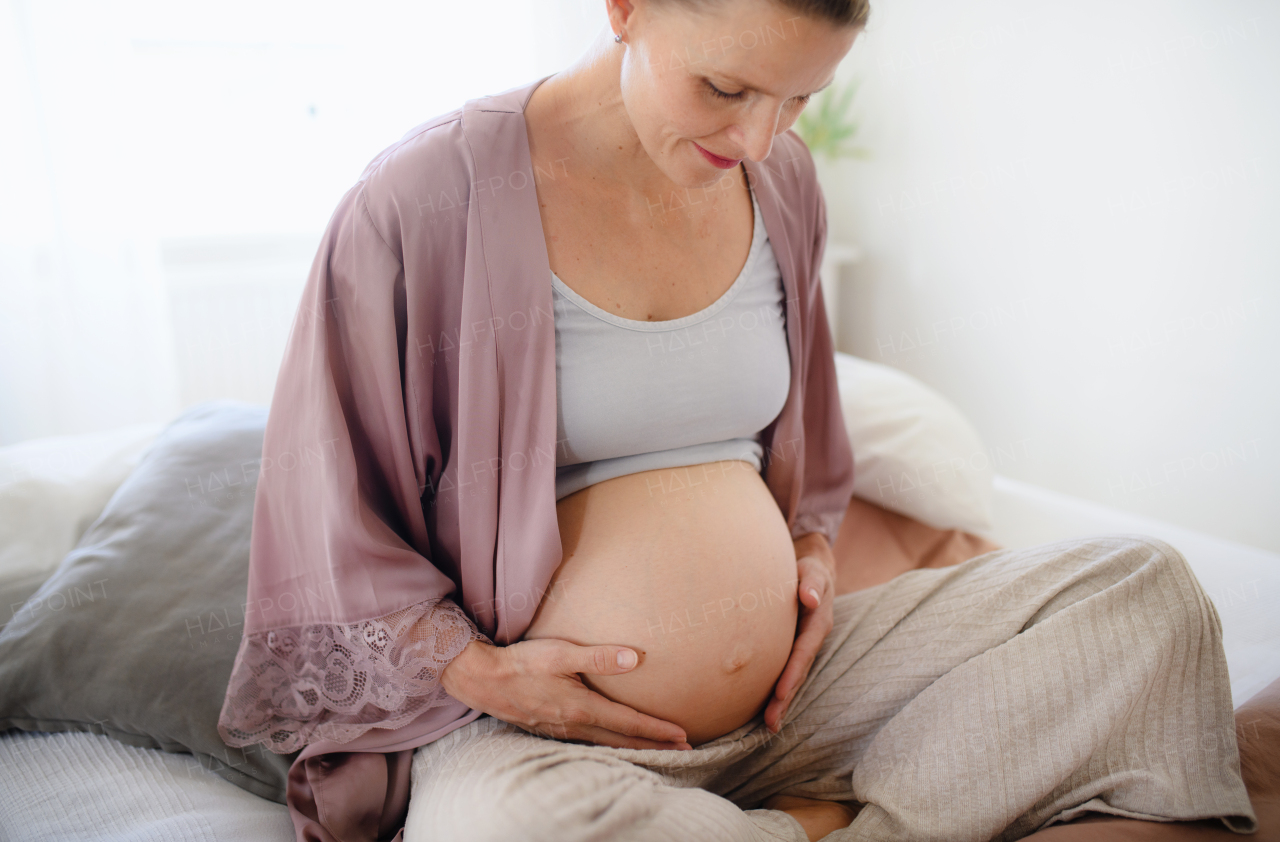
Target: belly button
x,y
737,658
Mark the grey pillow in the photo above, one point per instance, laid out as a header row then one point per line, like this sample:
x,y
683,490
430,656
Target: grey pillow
x,y
134,634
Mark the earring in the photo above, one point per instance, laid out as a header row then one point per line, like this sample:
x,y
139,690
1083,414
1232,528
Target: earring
x,y
617,39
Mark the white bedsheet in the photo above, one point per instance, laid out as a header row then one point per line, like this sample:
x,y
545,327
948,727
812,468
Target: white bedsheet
x,y
72,787
1242,581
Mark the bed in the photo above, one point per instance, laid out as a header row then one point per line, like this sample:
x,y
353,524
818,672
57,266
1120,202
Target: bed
x,y
87,786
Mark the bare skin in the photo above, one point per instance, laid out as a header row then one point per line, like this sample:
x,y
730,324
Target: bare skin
x,y
626,122
693,567
818,818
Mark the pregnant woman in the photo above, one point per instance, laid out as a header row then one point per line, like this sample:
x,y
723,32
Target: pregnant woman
x,y
551,478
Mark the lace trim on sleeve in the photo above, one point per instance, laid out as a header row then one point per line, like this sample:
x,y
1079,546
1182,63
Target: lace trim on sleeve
x,y
296,685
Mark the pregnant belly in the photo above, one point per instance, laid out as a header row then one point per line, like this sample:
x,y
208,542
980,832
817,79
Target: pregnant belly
x,y
693,568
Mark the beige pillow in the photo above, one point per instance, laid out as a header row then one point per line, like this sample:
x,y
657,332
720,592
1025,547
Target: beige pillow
x,y
914,452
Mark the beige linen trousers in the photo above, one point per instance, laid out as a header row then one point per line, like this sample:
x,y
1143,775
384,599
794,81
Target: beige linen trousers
x,y
977,702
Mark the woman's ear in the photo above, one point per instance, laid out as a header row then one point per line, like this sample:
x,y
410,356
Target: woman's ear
x,y
620,13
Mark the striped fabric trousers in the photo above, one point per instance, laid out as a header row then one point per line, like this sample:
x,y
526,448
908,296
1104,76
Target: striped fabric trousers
x,y
977,702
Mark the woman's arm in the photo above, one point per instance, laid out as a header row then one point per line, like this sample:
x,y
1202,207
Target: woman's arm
x,y
826,478
351,625
349,622
825,474
816,590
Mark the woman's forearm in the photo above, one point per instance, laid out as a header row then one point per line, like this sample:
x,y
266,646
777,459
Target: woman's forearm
x,y
462,672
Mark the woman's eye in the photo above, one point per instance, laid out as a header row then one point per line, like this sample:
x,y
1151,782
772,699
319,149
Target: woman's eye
x,y
716,92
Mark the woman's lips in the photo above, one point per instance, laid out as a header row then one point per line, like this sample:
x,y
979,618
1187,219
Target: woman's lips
x,y
722,163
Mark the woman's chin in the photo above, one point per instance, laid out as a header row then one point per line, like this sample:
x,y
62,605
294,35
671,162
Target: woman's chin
x,y
687,168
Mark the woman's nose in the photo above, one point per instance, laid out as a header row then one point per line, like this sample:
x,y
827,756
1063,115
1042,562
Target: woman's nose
x,y
756,132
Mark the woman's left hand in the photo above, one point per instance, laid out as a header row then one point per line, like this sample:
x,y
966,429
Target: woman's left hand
x,y
816,590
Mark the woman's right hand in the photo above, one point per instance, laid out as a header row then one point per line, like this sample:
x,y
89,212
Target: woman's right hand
x,y
536,685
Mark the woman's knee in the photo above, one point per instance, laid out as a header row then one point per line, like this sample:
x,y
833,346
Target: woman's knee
x,y
1154,573
476,815
457,789
1139,573
1127,554
502,784
1145,552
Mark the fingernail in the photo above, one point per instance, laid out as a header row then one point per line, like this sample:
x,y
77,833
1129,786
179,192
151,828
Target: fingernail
x,y
627,659
813,593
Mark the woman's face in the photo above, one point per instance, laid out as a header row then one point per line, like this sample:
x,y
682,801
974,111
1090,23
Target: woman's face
x,y
705,89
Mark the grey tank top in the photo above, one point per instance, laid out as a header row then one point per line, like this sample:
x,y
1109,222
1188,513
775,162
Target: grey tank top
x,y
638,395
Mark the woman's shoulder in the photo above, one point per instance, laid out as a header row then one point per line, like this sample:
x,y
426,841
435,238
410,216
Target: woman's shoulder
x,y
433,141
419,180
425,180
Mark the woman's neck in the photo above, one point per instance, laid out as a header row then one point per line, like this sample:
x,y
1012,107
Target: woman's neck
x,y
579,114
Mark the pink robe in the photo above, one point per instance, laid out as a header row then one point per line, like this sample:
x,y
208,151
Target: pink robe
x,y
408,479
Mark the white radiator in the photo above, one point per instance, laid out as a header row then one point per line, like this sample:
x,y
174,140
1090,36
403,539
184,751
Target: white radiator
x,y
232,302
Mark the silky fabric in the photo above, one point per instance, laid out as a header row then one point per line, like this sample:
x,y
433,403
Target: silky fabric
x,y
415,401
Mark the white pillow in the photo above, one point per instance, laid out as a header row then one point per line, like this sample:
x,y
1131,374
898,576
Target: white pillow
x,y
914,453
52,489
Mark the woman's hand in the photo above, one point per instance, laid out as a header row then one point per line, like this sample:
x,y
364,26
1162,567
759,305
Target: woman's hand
x,y
818,818
816,590
535,684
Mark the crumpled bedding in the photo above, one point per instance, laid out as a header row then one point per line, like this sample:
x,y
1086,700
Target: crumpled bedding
x,y
875,545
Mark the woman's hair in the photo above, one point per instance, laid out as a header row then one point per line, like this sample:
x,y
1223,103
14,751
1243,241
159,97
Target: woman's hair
x,y
846,12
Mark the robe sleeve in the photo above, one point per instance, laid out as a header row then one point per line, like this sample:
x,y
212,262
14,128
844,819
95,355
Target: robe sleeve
x,y
348,623
827,482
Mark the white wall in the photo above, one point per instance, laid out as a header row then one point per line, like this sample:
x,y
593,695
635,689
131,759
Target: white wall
x,y
1070,211
139,128
1071,220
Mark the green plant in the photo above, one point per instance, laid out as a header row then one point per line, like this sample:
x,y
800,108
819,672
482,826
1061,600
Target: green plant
x,y
827,129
